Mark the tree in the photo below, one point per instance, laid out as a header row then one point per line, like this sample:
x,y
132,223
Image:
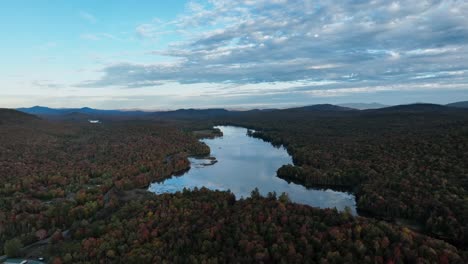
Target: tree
x,y
12,248
284,198
255,194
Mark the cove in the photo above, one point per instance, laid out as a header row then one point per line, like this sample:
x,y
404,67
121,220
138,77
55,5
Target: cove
x,y
244,163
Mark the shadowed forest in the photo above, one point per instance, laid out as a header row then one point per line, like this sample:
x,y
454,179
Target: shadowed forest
x,y
75,192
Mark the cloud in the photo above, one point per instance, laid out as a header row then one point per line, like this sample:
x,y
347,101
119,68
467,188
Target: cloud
x,y
46,84
87,17
145,30
155,29
98,36
350,45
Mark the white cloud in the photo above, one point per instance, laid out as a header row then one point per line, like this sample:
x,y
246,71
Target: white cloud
x,y
349,45
146,30
87,17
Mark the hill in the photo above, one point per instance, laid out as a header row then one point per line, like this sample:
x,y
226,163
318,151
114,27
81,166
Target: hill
x,y
194,113
223,113
12,116
86,113
363,106
463,104
412,108
41,110
321,108
46,111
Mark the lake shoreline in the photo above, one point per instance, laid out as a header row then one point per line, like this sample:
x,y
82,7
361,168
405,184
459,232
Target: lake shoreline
x,y
249,163
257,132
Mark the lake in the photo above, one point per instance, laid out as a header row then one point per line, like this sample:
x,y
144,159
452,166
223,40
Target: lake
x,y
245,163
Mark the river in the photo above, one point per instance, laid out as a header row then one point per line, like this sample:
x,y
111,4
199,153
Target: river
x,y
244,163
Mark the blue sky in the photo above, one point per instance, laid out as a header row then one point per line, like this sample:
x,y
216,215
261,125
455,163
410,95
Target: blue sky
x,y
235,54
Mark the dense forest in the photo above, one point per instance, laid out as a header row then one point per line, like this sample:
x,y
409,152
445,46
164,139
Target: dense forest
x,y
80,189
403,163
54,174
205,226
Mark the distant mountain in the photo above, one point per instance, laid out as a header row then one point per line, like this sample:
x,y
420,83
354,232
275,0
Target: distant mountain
x,y
77,114
41,110
86,112
322,108
194,113
220,112
8,116
46,111
463,104
363,106
412,108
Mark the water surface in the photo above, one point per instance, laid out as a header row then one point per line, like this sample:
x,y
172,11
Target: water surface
x,y
245,163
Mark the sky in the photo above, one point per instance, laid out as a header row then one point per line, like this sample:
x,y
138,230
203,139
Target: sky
x,y
159,55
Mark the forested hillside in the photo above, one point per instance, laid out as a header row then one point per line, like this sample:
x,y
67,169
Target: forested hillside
x,y
405,162
80,188
54,174
211,227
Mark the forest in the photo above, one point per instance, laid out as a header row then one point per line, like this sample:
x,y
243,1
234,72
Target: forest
x,y
56,173
203,226
403,164
81,187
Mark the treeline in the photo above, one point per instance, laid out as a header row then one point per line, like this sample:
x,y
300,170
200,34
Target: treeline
x,y
410,165
204,226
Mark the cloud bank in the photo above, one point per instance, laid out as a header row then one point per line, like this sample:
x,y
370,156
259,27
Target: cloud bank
x,y
338,48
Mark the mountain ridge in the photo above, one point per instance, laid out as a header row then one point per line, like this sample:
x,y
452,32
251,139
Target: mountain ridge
x,y
363,106
461,104
219,112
